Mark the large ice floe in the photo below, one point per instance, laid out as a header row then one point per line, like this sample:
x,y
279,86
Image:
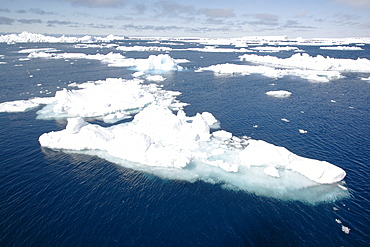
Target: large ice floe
x,y
241,69
110,100
27,37
160,62
316,69
305,61
175,146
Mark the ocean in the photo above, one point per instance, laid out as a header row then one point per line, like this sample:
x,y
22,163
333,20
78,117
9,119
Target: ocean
x,y
54,198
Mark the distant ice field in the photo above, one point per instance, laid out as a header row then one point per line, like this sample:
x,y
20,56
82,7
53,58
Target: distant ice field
x,y
326,121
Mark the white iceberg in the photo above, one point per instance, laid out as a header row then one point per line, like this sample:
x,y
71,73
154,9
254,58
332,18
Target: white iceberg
x,y
110,100
157,78
240,69
161,62
143,48
27,37
305,61
275,48
38,50
279,93
216,49
158,138
342,48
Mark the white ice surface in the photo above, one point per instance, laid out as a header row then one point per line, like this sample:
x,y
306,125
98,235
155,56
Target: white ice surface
x,y
143,48
110,100
216,49
275,48
158,138
279,93
305,61
38,50
161,62
157,78
27,37
311,75
342,48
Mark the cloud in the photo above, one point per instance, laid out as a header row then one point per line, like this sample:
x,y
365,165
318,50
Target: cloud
x,y
30,21
21,11
167,8
6,21
188,29
263,19
140,8
356,3
365,25
100,26
40,12
5,10
295,24
97,3
345,19
53,23
217,13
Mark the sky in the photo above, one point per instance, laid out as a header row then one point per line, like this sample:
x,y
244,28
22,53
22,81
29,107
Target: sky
x,y
190,18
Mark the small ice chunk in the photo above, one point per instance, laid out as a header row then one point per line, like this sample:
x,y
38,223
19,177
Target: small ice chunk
x,y
302,131
338,221
285,120
279,93
345,229
18,106
157,78
222,134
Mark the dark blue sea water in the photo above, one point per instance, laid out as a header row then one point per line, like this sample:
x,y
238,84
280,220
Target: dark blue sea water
x,y
50,198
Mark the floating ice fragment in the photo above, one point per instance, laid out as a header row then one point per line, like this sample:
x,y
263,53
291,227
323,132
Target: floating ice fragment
x,y
157,137
110,100
345,229
285,120
342,48
279,94
240,69
157,78
305,61
302,131
222,134
161,62
18,106
143,48
338,221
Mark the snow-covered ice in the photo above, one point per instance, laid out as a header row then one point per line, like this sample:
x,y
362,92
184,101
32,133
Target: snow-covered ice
x,y
279,93
305,61
38,50
155,78
161,62
158,137
143,48
342,48
275,48
27,37
240,69
110,100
